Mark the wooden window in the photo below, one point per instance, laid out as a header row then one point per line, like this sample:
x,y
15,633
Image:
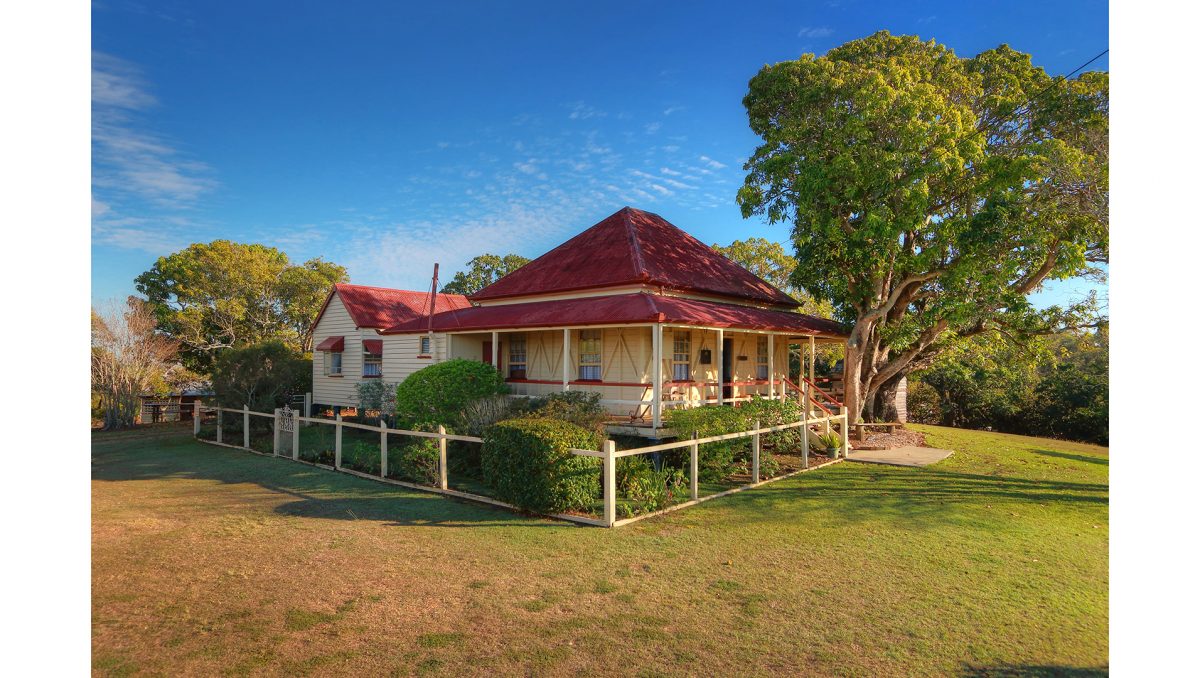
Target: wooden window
x,y
426,349
333,363
589,355
516,356
372,363
681,356
762,363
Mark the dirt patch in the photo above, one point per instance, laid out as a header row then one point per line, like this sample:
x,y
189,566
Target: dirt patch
x,y
885,441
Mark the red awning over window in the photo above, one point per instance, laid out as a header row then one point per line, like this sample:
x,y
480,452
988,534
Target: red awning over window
x,y
373,346
332,344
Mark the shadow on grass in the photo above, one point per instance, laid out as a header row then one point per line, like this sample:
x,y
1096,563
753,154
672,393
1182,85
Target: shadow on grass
x,y
319,493
1031,671
914,497
1074,457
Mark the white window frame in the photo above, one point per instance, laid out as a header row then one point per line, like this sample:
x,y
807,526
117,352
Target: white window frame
x,y
329,363
425,346
762,362
590,360
684,364
372,361
518,361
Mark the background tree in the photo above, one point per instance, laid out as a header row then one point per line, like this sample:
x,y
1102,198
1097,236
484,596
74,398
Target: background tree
x,y
770,261
1054,386
128,358
930,194
482,271
220,294
263,376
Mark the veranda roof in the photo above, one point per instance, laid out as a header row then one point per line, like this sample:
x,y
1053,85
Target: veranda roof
x,y
620,309
632,247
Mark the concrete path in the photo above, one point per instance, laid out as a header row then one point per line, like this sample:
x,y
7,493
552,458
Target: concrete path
x,y
909,455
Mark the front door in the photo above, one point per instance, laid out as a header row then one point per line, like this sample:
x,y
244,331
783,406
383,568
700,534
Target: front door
x,y
487,352
726,368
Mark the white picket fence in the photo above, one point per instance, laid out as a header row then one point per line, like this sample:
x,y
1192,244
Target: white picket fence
x,y
287,422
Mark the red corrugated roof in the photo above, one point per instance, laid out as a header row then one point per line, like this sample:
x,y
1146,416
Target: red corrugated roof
x,y
620,309
381,307
635,247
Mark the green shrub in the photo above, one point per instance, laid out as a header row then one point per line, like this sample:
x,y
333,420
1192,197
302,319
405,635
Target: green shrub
x,y
376,395
776,413
479,414
440,393
527,463
717,461
263,376
419,461
581,408
656,490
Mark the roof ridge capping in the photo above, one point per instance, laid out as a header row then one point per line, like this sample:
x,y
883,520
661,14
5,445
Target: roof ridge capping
x,y
632,246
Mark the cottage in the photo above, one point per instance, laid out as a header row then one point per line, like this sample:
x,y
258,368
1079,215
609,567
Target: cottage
x,y
633,308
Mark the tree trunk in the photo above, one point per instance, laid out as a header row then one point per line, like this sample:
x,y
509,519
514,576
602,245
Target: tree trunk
x,y
852,379
885,400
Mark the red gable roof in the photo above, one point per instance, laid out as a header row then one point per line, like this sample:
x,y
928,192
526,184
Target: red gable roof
x,y
635,247
381,307
620,309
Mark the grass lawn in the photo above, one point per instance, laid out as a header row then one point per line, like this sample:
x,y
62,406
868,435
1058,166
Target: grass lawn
x,y
208,560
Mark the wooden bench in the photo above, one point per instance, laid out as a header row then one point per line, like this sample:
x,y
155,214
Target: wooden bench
x,y
861,428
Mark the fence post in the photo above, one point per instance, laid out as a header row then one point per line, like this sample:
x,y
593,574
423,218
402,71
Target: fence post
x,y
443,479
695,466
295,436
196,418
337,442
219,413
308,404
804,436
756,451
845,432
610,483
275,434
245,426
382,450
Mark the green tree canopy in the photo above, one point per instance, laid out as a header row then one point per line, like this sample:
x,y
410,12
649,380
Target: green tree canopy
x,y
263,375
930,194
482,271
216,295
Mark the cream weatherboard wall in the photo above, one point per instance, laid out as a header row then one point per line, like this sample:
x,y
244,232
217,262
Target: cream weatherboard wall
x,y
336,322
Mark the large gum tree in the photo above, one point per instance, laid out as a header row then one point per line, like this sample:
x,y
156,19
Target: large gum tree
x,y
930,195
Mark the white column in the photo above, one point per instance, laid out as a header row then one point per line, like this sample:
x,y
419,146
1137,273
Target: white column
x,y
720,367
755,452
804,436
566,360
845,432
771,366
495,350
656,373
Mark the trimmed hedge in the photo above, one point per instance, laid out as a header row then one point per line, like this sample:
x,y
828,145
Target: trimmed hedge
x,y
440,393
527,463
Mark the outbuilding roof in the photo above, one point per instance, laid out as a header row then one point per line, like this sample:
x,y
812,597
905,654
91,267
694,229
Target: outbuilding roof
x,y
616,309
381,307
635,247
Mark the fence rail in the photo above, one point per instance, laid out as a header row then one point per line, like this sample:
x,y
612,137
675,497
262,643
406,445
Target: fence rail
x,y
287,423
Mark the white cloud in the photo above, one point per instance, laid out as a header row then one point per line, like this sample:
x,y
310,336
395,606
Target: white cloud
x,y
669,172
712,163
673,109
127,158
581,111
653,127
814,32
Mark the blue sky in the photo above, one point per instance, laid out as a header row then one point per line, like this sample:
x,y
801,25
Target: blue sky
x,y
388,136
